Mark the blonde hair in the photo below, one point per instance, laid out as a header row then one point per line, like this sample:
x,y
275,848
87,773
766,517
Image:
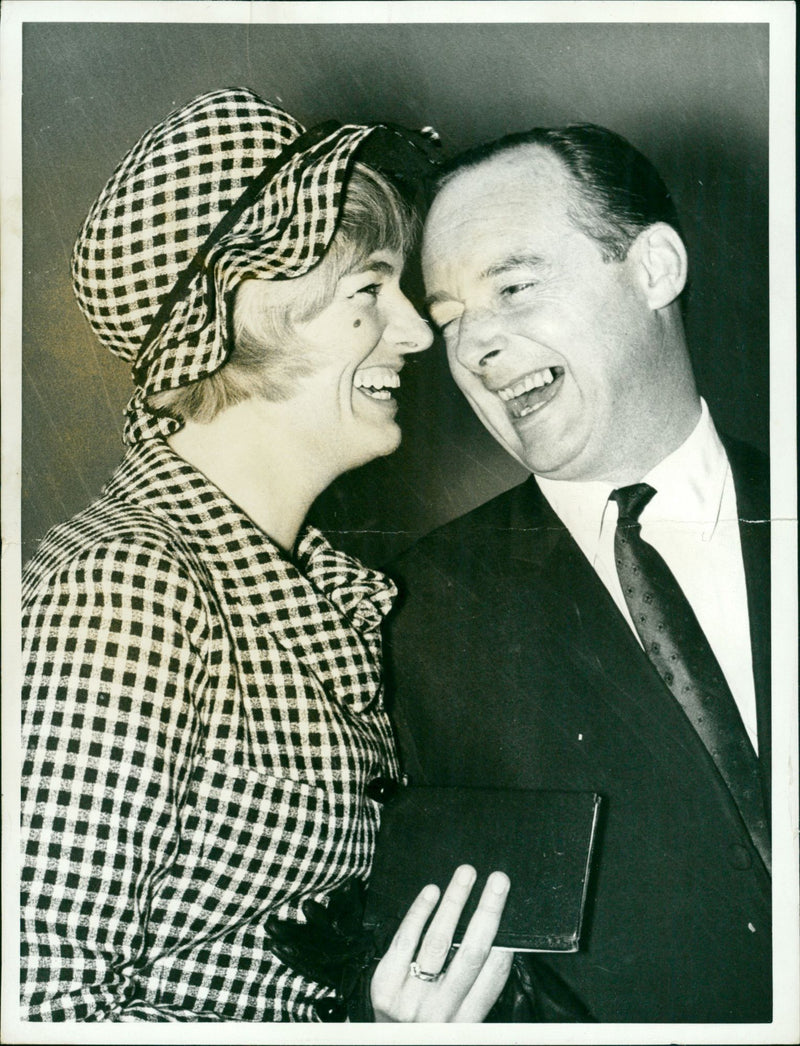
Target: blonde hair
x,y
266,360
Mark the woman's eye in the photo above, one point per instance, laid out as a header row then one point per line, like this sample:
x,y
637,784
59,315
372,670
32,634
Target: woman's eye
x,y
372,289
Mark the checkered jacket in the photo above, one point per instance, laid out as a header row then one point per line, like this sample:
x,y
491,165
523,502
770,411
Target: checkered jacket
x,y
200,717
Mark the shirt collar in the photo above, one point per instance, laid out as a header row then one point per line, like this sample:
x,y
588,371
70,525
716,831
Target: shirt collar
x,y
580,506
690,483
152,474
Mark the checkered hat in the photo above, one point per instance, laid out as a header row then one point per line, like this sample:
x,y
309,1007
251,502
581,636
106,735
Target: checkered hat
x,y
226,188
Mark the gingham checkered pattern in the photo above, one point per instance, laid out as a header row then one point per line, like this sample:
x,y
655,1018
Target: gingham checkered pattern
x,y
164,200
200,720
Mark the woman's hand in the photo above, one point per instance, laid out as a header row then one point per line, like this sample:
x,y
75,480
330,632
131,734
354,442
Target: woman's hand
x,y
468,988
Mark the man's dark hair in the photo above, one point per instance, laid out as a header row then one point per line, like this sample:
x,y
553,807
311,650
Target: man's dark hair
x,y
618,191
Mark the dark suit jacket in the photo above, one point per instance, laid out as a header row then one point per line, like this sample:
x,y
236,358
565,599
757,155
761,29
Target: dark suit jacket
x,y
512,667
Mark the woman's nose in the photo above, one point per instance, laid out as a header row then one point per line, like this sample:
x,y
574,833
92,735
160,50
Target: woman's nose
x,y
407,330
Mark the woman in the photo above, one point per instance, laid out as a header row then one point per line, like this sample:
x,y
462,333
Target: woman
x,y
203,713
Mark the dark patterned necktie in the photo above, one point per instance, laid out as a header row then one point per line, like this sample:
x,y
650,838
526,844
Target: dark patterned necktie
x,y
677,646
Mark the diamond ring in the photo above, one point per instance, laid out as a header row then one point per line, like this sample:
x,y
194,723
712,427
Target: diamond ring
x,y
422,975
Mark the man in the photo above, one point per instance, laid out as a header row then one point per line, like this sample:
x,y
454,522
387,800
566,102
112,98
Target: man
x,y
605,625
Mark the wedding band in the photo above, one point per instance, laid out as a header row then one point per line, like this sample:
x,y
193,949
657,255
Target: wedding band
x,y
422,975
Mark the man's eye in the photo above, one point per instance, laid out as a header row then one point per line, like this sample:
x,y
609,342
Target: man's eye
x,y
442,320
517,288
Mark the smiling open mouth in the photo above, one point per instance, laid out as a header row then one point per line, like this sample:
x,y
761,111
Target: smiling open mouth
x,y
532,392
378,383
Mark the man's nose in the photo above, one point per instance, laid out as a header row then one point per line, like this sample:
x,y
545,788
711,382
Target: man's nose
x,y
407,330
478,340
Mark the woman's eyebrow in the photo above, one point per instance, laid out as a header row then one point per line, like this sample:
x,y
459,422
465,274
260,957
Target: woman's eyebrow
x,y
377,265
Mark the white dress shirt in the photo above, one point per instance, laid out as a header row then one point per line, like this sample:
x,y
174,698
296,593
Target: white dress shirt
x,y
693,522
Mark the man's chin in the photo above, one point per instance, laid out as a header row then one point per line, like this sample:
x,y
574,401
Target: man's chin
x,y
509,441
545,458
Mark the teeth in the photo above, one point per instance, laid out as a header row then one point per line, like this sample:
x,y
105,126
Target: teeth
x,y
377,381
533,381
528,410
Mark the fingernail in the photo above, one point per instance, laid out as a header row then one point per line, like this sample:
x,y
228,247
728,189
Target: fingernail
x,y
465,875
431,892
500,883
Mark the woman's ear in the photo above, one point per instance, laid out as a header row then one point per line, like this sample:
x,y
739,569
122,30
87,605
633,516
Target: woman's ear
x,y
663,264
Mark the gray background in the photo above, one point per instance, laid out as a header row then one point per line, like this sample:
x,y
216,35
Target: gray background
x,y
692,97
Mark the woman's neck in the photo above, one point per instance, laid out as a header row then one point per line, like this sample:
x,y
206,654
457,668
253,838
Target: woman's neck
x,y
246,453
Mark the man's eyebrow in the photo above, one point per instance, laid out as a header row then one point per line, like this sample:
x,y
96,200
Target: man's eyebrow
x,y
435,299
513,261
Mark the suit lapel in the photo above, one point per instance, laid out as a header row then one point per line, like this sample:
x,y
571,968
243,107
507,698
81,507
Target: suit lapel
x,y
578,611
579,615
751,481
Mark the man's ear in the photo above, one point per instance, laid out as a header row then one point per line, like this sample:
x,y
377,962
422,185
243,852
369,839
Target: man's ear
x,y
663,264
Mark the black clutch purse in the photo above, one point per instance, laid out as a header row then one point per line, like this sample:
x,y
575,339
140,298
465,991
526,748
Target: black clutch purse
x,y
542,840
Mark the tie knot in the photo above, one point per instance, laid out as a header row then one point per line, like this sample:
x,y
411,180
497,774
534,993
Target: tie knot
x,y
632,500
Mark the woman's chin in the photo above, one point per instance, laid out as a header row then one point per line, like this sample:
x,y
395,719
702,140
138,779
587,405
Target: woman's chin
x,y
381,442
